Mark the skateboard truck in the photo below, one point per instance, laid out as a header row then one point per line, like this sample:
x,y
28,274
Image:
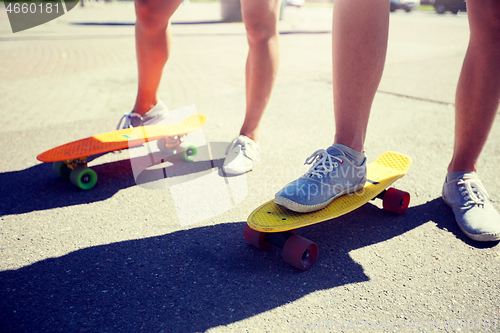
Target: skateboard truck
x,y
77,171
171,145
169,142
394,200
296,250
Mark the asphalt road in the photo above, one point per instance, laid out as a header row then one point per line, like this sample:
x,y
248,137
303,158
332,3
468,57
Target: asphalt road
x,y
154,255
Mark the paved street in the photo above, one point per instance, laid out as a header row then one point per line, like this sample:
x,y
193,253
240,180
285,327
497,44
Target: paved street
x,y
169,255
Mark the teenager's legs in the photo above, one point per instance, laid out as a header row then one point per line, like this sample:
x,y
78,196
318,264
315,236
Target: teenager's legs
x,y
153,44
261,22
478,90
359,35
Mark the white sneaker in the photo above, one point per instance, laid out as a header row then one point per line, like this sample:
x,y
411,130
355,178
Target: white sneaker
x,y
475,215
153,116
241,156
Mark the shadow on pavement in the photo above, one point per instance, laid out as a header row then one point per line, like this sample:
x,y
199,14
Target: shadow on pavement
x,y
191,280
38,188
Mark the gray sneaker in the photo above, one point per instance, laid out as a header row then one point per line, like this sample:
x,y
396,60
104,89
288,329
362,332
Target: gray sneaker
x,y
134,119
475,215
334,172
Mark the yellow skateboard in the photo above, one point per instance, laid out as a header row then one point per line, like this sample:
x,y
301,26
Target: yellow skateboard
x,y
271,224
70,160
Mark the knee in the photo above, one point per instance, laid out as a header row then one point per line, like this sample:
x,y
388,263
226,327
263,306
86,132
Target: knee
x,y
148,16
260,31
484,21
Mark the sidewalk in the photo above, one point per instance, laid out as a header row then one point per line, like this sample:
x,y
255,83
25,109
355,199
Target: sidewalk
x,y
116,258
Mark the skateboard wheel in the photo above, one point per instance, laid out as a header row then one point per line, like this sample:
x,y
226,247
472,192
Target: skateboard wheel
x,y
188,151
256,238
300,252
61,169
83,178
396,201
162,145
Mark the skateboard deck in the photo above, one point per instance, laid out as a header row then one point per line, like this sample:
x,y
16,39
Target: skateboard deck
x,y
70,160
271,218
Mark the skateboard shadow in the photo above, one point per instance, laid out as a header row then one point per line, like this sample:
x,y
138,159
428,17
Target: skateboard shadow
x,y
192,280
38,188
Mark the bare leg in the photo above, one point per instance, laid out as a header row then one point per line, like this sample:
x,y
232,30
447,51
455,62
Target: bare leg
x,y
153,43
478,90
477,98
360,33
261,22
359,40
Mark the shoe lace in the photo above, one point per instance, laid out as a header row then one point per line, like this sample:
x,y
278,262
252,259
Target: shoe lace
x,y
236,142
240,143
323,163
125,120
473,192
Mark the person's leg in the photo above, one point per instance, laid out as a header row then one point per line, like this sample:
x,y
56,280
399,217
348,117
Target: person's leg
x,y
359,40
153,43
478,90
261,19
261,22
478,93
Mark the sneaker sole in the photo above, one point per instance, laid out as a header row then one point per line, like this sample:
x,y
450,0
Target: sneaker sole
x,y
233,172
477,237
481,237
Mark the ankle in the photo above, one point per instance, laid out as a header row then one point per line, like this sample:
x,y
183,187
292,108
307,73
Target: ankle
x,y
455,166
142,107
353,140
356,145
250,134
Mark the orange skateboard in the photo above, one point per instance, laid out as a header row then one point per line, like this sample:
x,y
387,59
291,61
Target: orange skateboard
x,y
70,160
